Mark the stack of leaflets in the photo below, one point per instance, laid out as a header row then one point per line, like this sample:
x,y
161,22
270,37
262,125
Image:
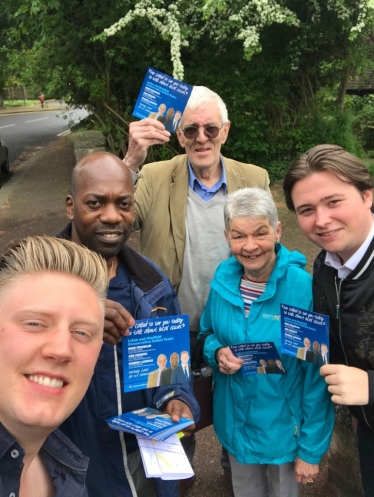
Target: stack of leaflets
x,y
166,460
148,423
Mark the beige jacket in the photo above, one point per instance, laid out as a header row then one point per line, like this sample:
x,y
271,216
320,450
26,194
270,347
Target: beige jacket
x,y
152,379
161,203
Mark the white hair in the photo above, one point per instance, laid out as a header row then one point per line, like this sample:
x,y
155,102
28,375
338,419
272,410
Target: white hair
x,y
201,95
250,202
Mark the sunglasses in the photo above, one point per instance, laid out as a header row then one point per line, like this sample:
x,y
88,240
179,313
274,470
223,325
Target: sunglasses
x,y
210,131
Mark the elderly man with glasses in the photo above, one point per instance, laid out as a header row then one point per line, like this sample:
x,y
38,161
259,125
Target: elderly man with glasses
x,y
179,202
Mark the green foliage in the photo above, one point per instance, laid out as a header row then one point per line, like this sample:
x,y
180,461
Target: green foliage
x,y
281,102
370,165
363,124
17,103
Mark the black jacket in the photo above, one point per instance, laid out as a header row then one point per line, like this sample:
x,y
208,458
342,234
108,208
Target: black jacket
x,y
350,304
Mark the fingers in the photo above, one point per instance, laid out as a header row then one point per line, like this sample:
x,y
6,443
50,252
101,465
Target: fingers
x,y
148,127
177,410
142,135
228,368
117,322
305,472
348,385
228,363
329,369
189,430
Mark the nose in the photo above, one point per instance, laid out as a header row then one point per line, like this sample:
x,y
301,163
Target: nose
x,y
111,214
201,137
58,345
322,218
250,244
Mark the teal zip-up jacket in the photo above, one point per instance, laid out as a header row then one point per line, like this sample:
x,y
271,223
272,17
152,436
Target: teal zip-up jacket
x,y
266,419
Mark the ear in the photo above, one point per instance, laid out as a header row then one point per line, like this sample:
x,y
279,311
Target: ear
x,y
181,137
70,207
368,197
225,132
278,232
226,236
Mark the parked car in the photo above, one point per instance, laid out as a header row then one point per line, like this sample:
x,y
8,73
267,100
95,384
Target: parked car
x,y
4,157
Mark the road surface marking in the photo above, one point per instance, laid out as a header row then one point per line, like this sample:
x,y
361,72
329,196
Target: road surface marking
x,y
8,126
40,119
64,133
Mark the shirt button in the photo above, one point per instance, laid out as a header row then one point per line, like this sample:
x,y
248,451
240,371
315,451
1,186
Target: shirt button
x,y
14,453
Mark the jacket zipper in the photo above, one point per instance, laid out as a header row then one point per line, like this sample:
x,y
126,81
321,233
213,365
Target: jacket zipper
x,y
293,420
338,287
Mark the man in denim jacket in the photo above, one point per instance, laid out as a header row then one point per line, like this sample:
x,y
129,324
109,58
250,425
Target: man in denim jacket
x,y
101,211
48,350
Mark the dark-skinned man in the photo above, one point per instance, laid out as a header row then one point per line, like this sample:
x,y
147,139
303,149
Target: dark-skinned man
x,y
101,214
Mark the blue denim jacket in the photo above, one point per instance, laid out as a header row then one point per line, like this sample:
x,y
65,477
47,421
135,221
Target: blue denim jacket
x,y
141,288
65,465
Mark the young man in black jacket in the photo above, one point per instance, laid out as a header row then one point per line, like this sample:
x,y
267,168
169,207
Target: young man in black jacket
x,y
330,191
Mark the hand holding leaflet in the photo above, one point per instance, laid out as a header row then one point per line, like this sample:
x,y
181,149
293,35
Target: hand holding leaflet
x,y
348,385
148,423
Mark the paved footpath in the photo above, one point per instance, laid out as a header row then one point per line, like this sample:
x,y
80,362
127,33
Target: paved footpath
x,y
49,105
33,202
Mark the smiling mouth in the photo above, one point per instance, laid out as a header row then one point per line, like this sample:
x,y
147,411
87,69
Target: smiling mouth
x,y
110,238
45,381
110,235
328,233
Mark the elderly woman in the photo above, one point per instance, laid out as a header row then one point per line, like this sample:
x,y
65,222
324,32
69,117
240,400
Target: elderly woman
x,y
275,427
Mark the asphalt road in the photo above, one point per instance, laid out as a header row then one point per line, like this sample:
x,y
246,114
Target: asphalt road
x,y
35,129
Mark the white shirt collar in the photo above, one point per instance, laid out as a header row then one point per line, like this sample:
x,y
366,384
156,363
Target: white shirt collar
x,y
333,260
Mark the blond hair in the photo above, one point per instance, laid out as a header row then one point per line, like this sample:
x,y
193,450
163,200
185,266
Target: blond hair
x,y
36,254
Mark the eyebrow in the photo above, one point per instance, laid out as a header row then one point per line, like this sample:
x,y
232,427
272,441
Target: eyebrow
x,y
34,312
259,228
203,125
100,196
327,197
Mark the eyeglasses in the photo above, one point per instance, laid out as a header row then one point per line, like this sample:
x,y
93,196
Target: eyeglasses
x,y
210,131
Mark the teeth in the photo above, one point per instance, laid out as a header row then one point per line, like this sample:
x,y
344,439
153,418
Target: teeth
x,y
46,381
110,235
328,233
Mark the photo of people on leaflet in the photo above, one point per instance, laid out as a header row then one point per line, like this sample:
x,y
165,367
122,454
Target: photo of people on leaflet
x,y
305,334
317,355
170,118
270,367
178,370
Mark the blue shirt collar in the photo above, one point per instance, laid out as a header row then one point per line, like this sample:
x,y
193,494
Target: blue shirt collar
x,y
194,183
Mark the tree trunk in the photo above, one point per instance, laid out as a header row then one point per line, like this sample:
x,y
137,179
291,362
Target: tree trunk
x,y
344,78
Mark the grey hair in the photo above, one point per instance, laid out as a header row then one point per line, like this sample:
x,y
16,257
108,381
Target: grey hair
x,y
201,95
37,254
252,203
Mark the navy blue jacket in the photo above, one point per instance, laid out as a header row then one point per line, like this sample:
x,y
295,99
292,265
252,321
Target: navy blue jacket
x,y
65,465
140,287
